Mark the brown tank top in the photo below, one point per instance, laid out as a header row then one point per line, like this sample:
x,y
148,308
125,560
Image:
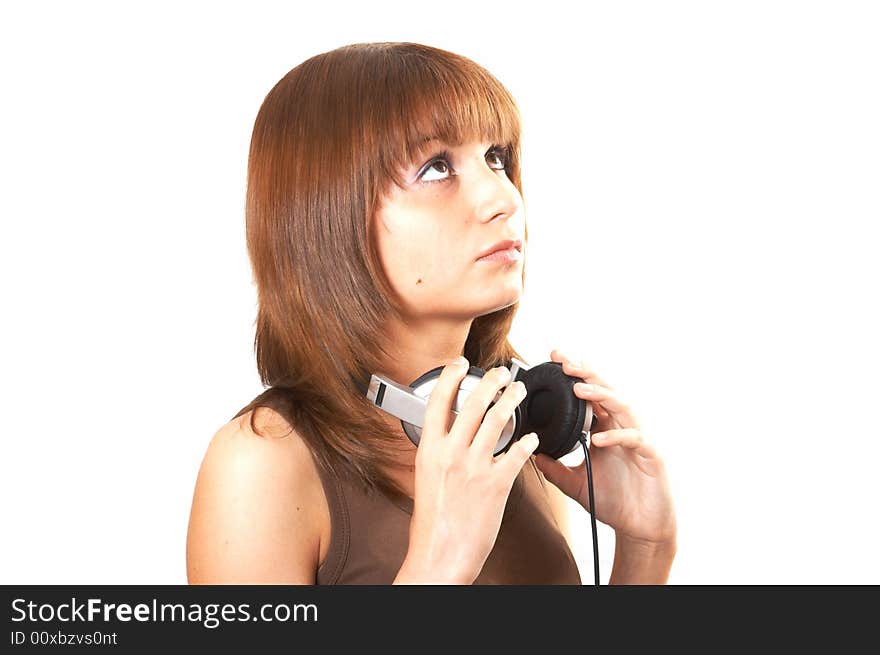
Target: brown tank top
x,y
370,536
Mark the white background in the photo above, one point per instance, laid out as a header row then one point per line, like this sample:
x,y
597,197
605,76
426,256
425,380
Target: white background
x,y
701,182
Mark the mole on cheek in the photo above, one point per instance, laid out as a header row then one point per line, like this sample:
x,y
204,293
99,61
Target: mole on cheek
x,y
419,281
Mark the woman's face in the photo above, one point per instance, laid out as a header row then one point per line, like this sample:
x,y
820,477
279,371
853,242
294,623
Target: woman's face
x,y
430,234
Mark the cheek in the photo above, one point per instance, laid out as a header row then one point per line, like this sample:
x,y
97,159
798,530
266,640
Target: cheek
x,y
424,265
421,251
414,243
409,256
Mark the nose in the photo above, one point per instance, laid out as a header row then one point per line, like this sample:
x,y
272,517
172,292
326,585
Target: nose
x,y
494,195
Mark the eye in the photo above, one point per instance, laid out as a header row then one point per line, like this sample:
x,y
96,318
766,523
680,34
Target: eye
x,y
442,159
502,154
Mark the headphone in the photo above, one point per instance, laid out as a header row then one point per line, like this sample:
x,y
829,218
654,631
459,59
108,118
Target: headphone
x,y
550,408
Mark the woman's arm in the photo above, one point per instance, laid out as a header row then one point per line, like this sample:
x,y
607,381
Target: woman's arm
x,y
633,495
641,563
634,563
254,511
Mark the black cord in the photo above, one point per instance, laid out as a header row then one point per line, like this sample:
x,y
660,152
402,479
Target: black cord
x,y
585,442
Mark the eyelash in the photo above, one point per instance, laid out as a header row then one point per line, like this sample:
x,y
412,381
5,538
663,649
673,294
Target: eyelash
x,y
502,152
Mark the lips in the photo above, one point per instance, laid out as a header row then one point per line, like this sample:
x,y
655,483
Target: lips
x,y
506,244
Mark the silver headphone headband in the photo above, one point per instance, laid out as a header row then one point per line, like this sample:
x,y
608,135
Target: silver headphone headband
x,y
409,404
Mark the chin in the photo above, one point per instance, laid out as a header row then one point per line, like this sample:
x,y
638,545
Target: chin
x,y
502,301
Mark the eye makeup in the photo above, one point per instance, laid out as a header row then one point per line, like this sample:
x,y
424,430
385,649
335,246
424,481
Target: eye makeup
x,y
502,152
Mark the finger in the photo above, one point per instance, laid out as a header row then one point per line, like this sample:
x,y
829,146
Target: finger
x,y
629,438
496,418
618,410
584,372
577,368
603,420
556,355
570,480
477,402
511,461
438,411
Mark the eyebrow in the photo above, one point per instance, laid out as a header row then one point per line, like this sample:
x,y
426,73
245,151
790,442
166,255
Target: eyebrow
x,y
421,146
423,141
427,139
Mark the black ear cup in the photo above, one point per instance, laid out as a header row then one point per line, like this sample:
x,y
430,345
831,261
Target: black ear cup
x,y
551,410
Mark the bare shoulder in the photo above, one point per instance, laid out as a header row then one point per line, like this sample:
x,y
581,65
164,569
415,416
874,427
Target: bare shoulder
x,y
256,514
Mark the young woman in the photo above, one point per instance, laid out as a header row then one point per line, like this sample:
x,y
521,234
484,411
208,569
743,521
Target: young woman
x,y
379,175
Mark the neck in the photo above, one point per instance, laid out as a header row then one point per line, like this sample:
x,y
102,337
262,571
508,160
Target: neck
x,y
418,347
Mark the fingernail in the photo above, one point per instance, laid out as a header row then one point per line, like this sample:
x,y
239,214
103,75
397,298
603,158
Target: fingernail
x,y
583,386
461,361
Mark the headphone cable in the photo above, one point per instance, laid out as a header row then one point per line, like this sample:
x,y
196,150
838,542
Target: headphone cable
x,y
585,442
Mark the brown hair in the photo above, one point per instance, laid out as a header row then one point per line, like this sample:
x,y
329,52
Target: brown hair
x,y
329,139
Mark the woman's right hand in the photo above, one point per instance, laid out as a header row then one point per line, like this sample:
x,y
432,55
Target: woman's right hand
x,y
461,488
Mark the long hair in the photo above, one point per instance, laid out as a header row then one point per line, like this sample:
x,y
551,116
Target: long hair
x,y
328,141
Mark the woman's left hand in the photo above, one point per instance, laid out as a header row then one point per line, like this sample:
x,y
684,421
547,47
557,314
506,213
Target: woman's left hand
x,y
631,491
